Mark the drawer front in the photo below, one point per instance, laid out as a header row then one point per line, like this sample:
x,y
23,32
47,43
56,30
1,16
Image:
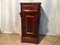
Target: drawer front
x,y
30,7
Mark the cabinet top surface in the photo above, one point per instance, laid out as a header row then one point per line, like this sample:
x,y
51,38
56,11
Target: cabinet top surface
x,y
30,3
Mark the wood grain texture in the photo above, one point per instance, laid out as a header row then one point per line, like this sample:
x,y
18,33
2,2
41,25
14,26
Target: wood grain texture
x,y
30,16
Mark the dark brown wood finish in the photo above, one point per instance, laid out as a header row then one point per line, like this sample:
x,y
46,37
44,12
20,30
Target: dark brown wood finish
x,y
30,15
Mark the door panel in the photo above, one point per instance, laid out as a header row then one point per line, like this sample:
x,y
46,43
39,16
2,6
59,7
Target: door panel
x,y
30,24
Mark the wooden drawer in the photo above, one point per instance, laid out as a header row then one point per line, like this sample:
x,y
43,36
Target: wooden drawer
x,y
30,7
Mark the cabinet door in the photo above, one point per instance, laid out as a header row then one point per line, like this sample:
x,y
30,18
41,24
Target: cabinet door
x,y
30,24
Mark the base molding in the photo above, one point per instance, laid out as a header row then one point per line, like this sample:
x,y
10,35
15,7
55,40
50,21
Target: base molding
x,y
30,39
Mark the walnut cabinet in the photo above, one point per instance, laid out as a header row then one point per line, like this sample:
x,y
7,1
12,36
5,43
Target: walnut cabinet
x,y
30,20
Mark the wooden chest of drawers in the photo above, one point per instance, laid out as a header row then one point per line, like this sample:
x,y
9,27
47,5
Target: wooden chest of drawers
x,y
30,16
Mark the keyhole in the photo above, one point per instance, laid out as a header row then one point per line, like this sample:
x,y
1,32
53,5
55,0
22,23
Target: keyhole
x,y
23,24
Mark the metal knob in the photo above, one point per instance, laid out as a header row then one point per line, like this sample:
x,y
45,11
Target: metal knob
x,y
30,8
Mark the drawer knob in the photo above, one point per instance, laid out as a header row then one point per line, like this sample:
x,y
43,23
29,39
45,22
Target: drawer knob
x,y
30,8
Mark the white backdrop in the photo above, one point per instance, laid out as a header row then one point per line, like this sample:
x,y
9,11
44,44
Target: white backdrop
x,y
10,21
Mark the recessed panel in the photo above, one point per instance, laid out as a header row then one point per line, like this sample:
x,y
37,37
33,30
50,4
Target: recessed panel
x,y
29,24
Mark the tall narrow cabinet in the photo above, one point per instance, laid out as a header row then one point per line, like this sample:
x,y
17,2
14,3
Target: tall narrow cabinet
x,y
30,18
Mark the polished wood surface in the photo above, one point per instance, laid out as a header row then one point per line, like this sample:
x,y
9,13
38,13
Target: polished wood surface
x,y
30,16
